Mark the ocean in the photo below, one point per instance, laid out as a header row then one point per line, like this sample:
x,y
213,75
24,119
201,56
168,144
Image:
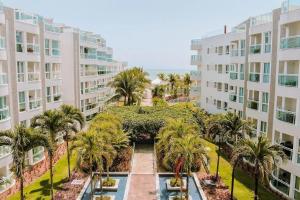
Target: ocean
x,y
154,72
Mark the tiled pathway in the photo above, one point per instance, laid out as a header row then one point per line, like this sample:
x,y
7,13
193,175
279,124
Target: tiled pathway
x,y
142,183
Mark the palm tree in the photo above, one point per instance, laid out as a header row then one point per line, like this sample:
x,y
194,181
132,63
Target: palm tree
x,y
172,78
234,126
190,148
92,149
187,84
262,154
130,84
158,91
51,123
76,122
21,140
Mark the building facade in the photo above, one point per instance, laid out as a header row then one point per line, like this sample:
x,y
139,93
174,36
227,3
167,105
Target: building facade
x,y
43,65
254,71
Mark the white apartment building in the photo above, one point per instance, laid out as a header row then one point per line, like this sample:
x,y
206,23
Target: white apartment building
x,y
43,65
254,71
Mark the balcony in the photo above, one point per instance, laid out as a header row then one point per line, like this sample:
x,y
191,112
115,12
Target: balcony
x,y
286,116
6,182
33,76
196,44
26,17
234,52
195,75
34,104
56,97
196,60
2,42
290,42
233,97
288,80
88,56
4,113
233,75
280,185
255,49
252,104
254,77
3,79
33,48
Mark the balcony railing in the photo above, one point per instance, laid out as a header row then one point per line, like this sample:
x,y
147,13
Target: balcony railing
x,y
255,49
3,79
34,104
286,116
33,48
2,42
33,76
253,104
233,75
6,182
280,185
289,5
57,97
267,48
195,59
288,80
254,77
4,113
290,42
196,44
88,56
90,106
234,52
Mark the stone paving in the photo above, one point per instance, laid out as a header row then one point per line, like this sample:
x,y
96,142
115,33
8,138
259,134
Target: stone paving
x,y
142,183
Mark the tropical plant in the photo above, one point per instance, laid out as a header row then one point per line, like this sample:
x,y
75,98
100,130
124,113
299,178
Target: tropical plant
x,y
234,127
130,84
190,148
172,79
76,121
187,84
162,76
262,154
159,102
51,123
21,140
158,91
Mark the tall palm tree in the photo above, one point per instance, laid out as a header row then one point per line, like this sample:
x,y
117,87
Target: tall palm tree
x,y
172,79
93,149
262,154
130,84
234,127
158,91
76,122
190,148
51,123
162,76
187,84
21,140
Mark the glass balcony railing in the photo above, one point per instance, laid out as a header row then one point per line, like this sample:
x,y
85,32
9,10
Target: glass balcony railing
x,y
252,104
88,56
22,106
4,113
267,48
33,76
57,97
233,75
280,185
255,49
288,80
34,104
234,52
53,28
254,77
290,42
286,116
3,79
232,97
6,182
33,48
55,52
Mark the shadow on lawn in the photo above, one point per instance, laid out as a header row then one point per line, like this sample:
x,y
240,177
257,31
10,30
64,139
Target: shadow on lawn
x,y
44,188
248,181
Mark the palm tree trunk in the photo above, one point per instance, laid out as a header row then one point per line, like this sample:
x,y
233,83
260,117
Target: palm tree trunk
x,y
68,157
91,177
187,186
232,180
218,161
256,183
22,181
125,100
51,176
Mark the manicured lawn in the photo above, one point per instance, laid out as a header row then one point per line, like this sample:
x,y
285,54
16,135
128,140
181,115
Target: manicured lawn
x,y
39,189
243,184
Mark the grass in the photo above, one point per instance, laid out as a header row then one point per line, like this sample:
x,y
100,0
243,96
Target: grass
x,y
243,184
40,188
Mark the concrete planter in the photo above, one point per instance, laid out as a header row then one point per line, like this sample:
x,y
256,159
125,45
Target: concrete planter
x,y
106,188
171,188
98,197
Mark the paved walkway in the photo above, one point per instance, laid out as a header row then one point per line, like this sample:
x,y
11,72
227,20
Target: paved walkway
x,y
142,183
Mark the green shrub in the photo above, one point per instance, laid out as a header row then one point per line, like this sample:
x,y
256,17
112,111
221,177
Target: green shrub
x,y
109,182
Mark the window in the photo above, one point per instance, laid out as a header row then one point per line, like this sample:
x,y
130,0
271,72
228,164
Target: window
x,y
227,69
297,188
4,113
21,71
22,101
48,71
267,38
226,87
243,44
55,48
23,123
241,95
19,41
242,70
207,50
241,114
265,101
56,93
101,70
266,75
48,94
227,49
263,127
47,47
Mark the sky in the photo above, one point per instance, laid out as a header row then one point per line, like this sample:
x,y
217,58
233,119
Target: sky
x,y
149,33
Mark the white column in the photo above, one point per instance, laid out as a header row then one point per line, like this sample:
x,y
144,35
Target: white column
x,y
292,186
